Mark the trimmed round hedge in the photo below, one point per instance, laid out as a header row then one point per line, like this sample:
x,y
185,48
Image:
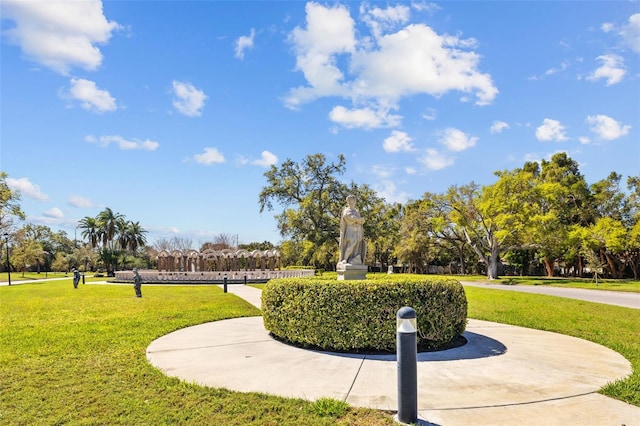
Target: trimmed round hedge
x,y
360,315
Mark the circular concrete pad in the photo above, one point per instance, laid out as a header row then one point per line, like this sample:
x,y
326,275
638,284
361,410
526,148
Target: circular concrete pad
x,y
500,366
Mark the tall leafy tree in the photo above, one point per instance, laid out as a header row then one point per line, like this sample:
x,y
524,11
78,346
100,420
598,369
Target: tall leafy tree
x,y
472,212
310,194
416,239
312,198
450,236
28,251
9,205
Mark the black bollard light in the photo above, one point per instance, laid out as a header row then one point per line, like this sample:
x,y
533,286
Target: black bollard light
x,y
407,354
245,279
224,285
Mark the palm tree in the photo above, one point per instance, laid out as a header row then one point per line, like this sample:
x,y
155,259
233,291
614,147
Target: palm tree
x,y
136,237
90,230
122,231
107,231
108,222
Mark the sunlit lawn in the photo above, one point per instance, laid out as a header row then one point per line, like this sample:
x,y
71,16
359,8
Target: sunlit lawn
x,y
78,356
627,285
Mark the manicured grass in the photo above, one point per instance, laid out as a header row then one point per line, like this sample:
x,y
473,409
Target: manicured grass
x,y
17,277
78,357
614,327
632,286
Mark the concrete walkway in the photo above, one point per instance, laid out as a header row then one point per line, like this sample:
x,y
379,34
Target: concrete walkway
x,y
504,375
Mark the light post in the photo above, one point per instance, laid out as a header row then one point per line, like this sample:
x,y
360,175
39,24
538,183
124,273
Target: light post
x,y
407,355
6,238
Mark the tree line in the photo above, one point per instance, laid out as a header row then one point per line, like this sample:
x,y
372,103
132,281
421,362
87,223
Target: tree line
x,y
539,219
108,241
542,218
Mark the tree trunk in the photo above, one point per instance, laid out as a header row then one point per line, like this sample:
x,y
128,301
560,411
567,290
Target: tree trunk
x,y
548,266
614,265
494,258
580,267
634,264
463,269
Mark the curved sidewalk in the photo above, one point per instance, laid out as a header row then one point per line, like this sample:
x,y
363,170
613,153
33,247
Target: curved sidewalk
x,y
504,375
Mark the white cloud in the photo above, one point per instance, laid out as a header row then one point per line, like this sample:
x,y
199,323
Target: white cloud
x,y
532,157
384,19
27,188
91,98
612,69
59,34
209,156
266,159
563,66
79,201
365,118
456,140
413,60
429,114
498,126
551,130
538,157
124,144
398,142
584,140
382,171
188,100
243,43
410,170
329,32
435,160
630,33
607,27
417,60
54,213
389,191
606,127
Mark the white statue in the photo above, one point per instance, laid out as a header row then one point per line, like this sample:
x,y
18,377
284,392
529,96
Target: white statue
x,y
352,244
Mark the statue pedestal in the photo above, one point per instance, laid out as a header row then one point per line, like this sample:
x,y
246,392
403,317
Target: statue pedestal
x,y
346,271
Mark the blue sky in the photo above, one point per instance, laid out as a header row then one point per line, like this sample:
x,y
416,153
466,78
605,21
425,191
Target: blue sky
x,y
170,112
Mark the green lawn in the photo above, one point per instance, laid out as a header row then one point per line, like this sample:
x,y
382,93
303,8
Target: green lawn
x,y
78,356
632,286
19,277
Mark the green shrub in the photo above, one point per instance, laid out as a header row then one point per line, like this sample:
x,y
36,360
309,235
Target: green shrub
x,y
360,315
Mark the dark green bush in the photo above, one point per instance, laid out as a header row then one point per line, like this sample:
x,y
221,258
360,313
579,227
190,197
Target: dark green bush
x,y
361,315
